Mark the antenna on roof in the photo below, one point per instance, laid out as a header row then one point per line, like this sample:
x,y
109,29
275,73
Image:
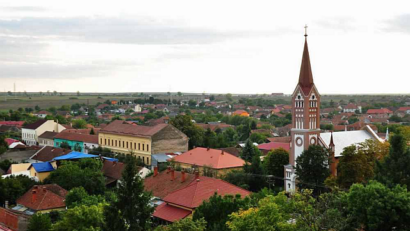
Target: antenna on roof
x,y
306,30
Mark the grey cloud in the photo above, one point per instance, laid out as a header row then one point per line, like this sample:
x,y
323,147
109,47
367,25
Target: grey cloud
x,y
337,23
24,9
115,30
52,70
398,24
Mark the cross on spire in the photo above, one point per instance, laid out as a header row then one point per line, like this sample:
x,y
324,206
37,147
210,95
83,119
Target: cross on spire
x,y
306,30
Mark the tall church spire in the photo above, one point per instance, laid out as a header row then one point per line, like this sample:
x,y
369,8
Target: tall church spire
x,y
306,77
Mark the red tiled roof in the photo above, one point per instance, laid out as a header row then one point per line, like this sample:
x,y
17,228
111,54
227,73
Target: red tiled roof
x,y
102,106
18,124
403,109
35,125
120,127
213,158
170,213
274,145
43,112
49,196
48,135
48,153
379,111
77,137
202,189
113,170
239,112
10,141
285,139
161,185
350,106
82,131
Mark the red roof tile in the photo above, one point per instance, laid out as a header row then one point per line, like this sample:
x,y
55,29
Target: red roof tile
x,y
379,111
202,189
120,127
48,153
210,157
274,145
49,196
35,125
18,124
113,170
170,213
285,139
161,185
77,137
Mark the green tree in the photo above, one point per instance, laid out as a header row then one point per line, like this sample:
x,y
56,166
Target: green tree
x,y
131,211
82,218
86,173
274,163
186,224
184,124
258,138
312,168
65,145
92,131
353,167
5,164
229,97
79,124
394,169
210,139
38,222
217,209
13,187
272,213
380,208
249,151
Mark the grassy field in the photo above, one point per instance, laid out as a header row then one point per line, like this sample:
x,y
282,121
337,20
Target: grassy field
x,y
44,101
56,101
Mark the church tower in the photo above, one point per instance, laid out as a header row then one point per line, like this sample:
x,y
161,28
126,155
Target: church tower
x,y
305,117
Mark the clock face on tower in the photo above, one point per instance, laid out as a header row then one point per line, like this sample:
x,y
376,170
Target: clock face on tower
x,y
312,140
299,141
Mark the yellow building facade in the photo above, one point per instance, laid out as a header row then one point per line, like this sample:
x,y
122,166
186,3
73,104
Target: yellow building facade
x,y
122,144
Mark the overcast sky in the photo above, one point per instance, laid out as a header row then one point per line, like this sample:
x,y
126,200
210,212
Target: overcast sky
x,y
204,46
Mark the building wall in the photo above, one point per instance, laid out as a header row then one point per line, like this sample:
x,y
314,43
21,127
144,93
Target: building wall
x,y
29,136
138,146
45,142
40,176
89,146
219,172
168,140
13,220
73,144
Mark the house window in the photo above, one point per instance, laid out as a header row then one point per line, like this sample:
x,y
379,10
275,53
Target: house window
x,y
143,160
135,146
101,140
143,147
127,144
116,144
123,144
139,146
105,141
147,148
147,161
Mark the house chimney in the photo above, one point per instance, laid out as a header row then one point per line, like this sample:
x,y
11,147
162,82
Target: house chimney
x,y
33,196
183,176
222,152
197,174
208,149
168,169
155,171
44,189
172,174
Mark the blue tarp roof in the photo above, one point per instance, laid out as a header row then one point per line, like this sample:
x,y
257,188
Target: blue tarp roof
x,y
43,167
80,155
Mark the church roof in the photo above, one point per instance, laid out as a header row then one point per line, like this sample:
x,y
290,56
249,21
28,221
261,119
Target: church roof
x,y
306,76
344,139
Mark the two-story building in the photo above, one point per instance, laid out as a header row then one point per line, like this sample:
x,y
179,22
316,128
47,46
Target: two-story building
x,y
77,141
142,141
31,132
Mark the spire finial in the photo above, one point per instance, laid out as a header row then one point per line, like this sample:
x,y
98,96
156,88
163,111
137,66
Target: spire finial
x,y
306,30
